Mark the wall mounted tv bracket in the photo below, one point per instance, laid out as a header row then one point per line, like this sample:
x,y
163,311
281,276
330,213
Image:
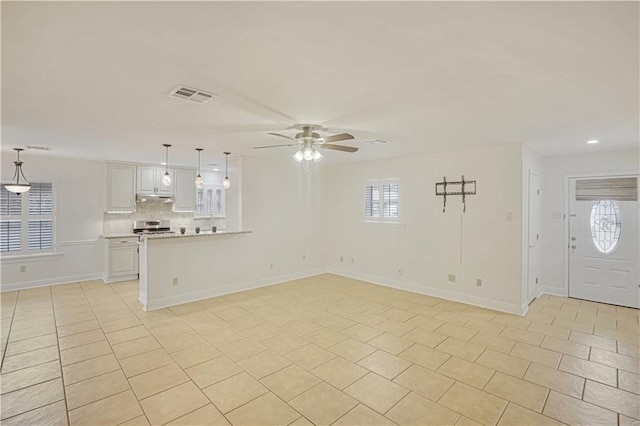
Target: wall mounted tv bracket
x,y
461,187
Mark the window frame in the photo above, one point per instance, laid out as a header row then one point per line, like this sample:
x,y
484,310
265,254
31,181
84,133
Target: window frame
x,y
24,218
206,214
380,183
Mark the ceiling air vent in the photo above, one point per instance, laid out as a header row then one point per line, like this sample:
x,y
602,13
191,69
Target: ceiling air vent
x,y
39,148
189,94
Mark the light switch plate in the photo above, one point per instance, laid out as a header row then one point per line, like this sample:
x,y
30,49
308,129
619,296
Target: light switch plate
x,y
556,215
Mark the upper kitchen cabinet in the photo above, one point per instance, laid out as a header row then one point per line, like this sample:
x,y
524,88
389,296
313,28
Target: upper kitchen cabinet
x,y
150,180
185,196
121,188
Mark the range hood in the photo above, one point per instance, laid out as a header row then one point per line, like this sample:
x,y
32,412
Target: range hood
x,y
154,198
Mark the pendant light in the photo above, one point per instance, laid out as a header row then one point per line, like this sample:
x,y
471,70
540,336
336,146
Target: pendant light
x,y
16,186
166,179
199,180
226,182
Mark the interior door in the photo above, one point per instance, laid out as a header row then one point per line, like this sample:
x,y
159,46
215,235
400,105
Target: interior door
x,y
534,234
604,249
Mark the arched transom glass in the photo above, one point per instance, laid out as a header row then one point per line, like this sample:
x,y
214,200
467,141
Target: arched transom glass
x,y
605,225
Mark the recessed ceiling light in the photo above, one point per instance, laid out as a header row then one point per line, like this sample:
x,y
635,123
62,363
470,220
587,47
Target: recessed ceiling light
x,y
215,170
593,141
163,164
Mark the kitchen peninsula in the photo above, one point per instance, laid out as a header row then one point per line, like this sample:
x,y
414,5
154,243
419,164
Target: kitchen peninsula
x,y
181,268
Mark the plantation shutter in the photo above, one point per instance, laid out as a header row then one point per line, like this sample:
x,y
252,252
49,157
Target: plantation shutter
x,y
372,201
619,189
40,224
390,200
11,223
200,201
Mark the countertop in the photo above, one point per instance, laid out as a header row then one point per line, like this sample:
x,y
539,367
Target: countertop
x,y
192,234
120,235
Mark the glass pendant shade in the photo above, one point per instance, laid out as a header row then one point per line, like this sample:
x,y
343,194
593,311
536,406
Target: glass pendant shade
x,y
199,181
226,183
166,179
308,154
19,183
298,156
317,156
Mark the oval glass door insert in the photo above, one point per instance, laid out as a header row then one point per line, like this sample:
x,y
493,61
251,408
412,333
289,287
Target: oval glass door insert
x,y
605,225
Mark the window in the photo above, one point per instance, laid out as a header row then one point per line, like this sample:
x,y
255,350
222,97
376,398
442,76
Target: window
x,y
605,225
382,201
210,201
26,224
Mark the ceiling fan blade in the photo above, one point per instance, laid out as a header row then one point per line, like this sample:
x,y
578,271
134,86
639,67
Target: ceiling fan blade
x,y
337,147
282,136
274,146
338,138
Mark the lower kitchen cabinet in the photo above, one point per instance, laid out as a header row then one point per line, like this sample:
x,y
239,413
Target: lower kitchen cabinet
x,y
121,263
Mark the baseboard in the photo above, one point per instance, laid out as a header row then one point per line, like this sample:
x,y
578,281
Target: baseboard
x,y
554,291
435,292
230,289
112,280
50,281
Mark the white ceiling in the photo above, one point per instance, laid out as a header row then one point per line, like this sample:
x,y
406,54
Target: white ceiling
x,y
91,79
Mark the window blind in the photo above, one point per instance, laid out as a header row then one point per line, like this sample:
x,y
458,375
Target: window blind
x,y
372,201
390,200
40,234
10,203
200,201
10,235
619,189
41,199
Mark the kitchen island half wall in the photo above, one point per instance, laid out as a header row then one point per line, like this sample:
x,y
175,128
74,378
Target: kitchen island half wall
x,y
176,269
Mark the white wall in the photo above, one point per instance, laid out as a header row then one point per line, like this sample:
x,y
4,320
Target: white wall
x,y
79,189
531,163
556,171
429,245
281,206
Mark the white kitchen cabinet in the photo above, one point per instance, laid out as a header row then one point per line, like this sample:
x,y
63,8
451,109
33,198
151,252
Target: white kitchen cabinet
x,y
149,180
121,188
121,259
185,195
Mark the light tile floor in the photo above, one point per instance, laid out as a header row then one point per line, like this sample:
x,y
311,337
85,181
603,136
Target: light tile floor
x,y
321,350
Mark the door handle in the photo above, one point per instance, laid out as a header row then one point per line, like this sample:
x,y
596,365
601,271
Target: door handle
x,y
573,246
573,238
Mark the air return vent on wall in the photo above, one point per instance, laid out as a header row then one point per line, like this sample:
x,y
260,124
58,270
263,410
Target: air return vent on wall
x,y
189,94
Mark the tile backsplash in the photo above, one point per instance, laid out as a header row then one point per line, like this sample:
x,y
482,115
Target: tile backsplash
x,y
117,223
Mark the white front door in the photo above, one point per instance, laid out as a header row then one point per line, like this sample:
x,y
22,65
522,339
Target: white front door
x,y
534,234
604,250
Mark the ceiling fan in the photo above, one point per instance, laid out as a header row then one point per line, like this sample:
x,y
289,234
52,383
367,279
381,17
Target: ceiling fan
x,y
309,140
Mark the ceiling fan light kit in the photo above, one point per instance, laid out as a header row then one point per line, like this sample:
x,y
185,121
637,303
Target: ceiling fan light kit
x,y
308,142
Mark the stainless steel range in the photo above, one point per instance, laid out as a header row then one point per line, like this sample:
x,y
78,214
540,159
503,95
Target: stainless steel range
x,y
152,227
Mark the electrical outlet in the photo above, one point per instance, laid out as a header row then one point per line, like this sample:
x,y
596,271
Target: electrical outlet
x,y
401,271
304,256
271,266
341,258
175,280
452,278
478,282
23,268
353,260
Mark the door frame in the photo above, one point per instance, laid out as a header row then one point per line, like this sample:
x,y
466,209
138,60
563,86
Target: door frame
x,y
565,224
536,292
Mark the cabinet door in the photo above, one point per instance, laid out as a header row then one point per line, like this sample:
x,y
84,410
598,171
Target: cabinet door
x,y
146,179
121,188
165,189
185,196
123,261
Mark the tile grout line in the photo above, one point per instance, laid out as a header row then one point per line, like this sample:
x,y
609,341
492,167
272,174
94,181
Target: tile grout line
x,y
64,388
